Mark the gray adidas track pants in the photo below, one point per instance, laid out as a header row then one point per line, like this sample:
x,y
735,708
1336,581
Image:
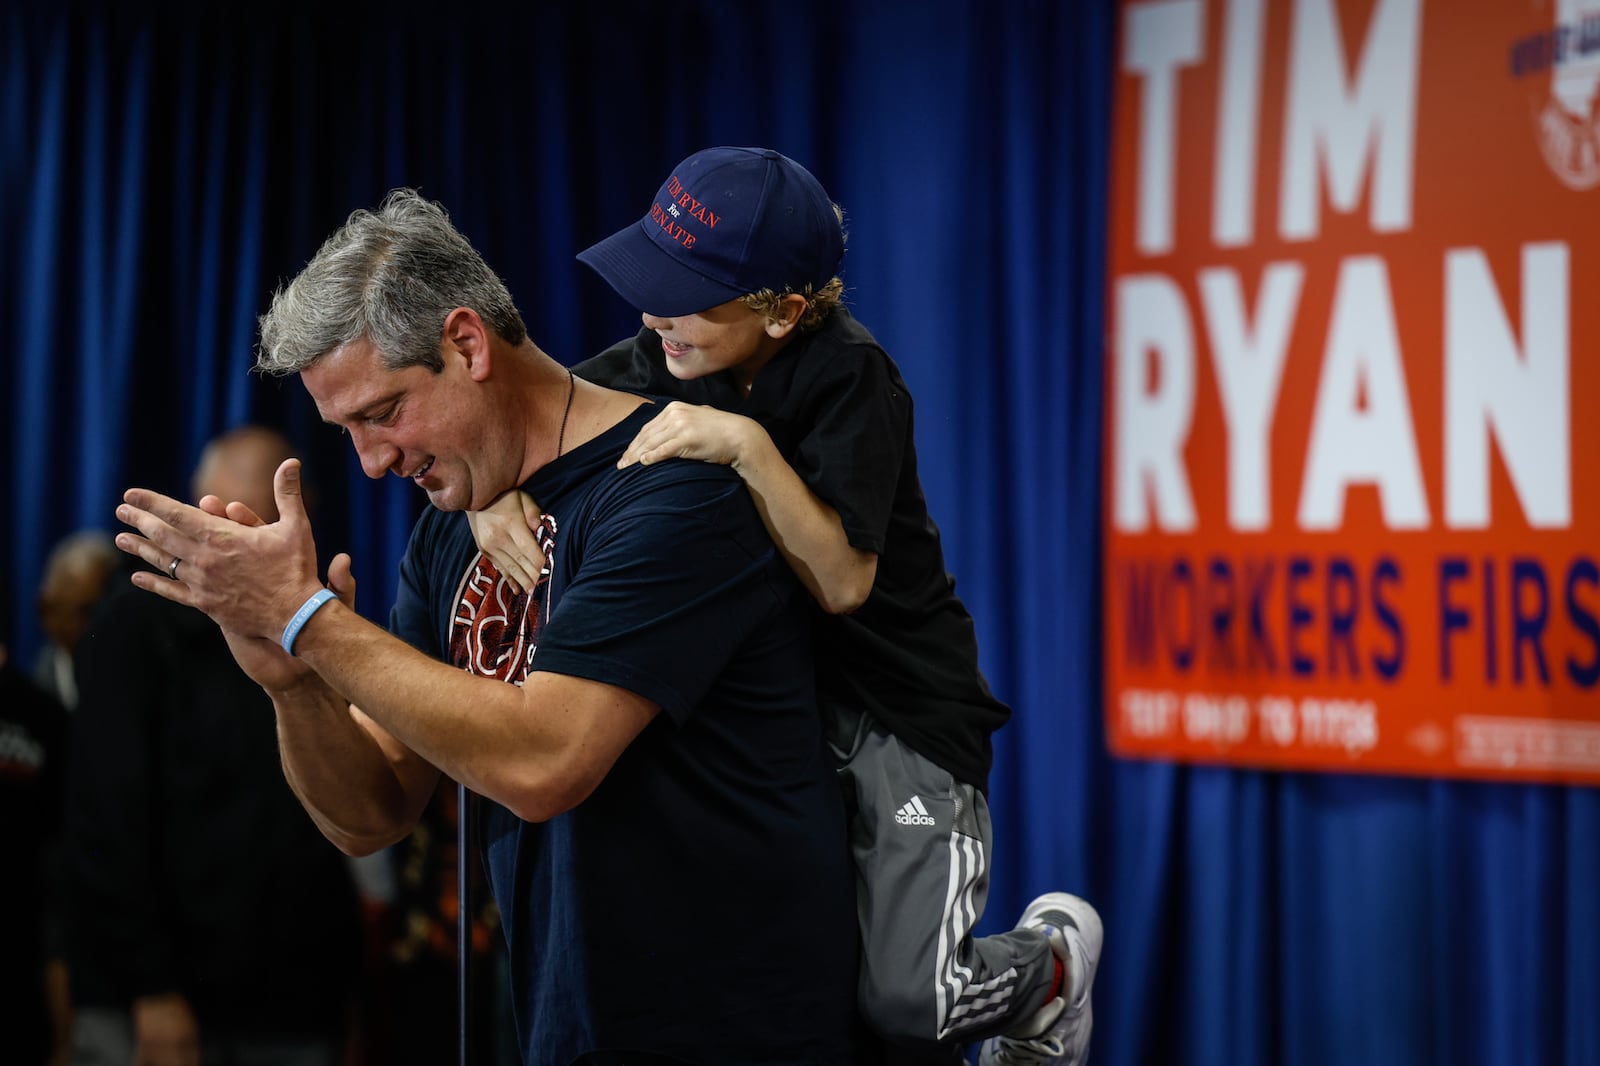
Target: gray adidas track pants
x,y
921,842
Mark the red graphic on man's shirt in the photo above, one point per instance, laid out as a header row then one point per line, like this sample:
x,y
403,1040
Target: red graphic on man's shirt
x,y
495,630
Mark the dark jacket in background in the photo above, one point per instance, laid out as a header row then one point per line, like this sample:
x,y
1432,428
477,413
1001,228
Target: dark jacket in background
x,y
32,748
190,865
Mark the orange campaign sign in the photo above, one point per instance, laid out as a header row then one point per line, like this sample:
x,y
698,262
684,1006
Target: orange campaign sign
x,y
1352,497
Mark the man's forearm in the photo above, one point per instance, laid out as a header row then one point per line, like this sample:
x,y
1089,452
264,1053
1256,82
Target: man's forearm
x,y
537,748
361,789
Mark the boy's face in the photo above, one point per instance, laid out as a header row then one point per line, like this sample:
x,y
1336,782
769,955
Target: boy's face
x,y
728,336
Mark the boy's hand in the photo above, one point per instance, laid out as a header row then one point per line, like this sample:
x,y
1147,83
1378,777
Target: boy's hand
x,y
685,431
504,532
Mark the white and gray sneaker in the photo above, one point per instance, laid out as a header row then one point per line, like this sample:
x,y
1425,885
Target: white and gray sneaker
x,y
1058,1032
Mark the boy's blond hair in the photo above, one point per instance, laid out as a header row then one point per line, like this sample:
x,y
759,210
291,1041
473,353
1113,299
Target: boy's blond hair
x,y
819,305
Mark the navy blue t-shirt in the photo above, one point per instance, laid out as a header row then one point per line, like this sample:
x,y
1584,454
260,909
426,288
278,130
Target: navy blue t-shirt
x,y
699,905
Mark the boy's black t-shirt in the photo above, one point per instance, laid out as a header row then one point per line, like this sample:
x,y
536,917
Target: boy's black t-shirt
x,y
839,412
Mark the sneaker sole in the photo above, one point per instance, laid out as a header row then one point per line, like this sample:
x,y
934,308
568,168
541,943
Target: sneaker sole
x,y
1079,912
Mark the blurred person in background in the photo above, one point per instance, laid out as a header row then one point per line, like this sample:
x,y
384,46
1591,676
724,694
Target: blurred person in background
x,y
209,921
33,1003
75,577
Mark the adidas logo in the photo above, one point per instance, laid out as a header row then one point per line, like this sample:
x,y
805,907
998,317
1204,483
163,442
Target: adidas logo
x,y
914,813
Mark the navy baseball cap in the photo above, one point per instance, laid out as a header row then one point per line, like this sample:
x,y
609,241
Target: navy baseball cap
x,y
727,221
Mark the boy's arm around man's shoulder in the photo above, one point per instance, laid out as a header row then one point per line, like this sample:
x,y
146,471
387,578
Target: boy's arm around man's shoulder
x,y
807,531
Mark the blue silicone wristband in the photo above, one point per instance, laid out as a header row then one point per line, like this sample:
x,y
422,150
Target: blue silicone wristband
x,y
303,615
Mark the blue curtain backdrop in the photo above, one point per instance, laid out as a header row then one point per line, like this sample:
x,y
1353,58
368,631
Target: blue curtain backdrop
x,y
163,171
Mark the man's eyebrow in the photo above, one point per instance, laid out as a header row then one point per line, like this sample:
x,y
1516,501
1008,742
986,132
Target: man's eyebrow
x,y
367,409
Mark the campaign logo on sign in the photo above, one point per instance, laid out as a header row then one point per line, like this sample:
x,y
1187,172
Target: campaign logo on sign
x,y
1564,63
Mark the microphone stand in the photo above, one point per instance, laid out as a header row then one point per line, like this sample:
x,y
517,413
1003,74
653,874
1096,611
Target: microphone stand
x,y
464,837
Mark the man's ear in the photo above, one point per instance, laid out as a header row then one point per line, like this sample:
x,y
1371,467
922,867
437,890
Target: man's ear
x,y
790,308
466,337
